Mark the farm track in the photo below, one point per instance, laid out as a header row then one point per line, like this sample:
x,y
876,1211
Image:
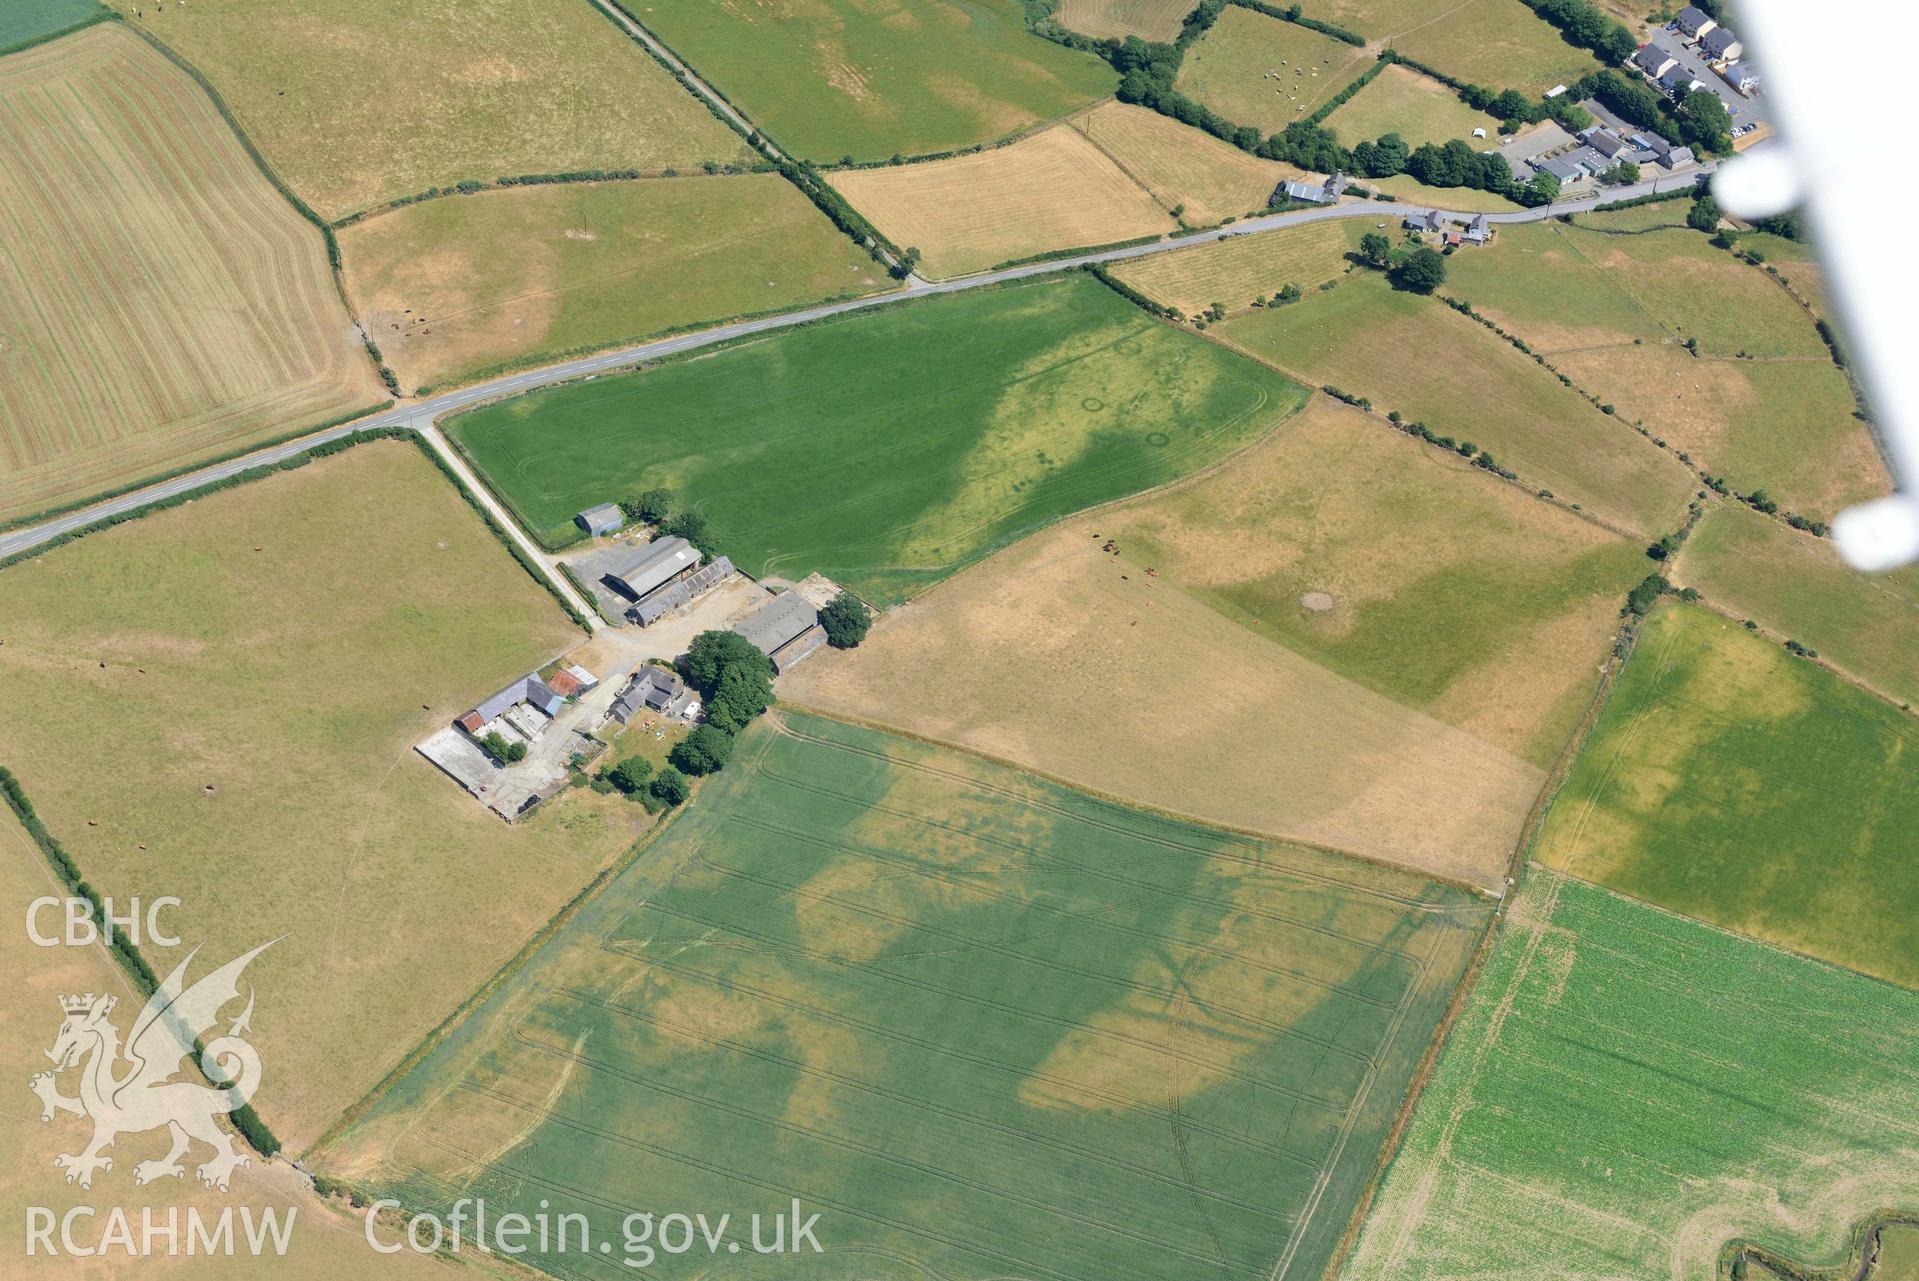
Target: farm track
x,y
415,412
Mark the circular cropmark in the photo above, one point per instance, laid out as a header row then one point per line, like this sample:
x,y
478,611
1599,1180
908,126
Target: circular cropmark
x,y
1158,438
1091,404
1127,347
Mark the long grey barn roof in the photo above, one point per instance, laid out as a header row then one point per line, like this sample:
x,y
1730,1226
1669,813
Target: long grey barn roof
x,y
653,564
778,621
674,595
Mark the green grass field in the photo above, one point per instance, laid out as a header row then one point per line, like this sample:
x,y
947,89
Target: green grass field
x,y
1629,1090
1500,43
1613,311
1409,190
837,78
1469,384
1492,589
25,21
1259,71
984,1025
889,449
358,102
1867,625
453,286
1417,108
1898,1255
220,702
1736,783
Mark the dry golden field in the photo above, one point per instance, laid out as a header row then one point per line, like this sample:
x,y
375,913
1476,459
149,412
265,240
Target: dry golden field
x,y
452,286
178,742
1181,166
358,102
1053,190
327,1244
173,306
1234,271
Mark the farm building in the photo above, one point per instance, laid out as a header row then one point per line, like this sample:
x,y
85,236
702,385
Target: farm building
x,y
1312,193
1720,43
1655,60
1478,231
652,567
782,629
1565,168
529,689
685,591
1694,21
655,689
1670,154
604,519
1742,76
1603,140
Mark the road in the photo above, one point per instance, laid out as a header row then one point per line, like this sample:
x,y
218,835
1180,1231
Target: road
x,y
411,413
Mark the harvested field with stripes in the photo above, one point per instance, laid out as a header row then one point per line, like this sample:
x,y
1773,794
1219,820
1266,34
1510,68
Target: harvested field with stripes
x,y
982,1024
175,307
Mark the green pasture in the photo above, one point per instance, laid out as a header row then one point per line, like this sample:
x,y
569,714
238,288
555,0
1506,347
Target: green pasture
x,y
983,1025
1734,782
1627,1091
1866,624
890,448
1259,71
1414,355
838,78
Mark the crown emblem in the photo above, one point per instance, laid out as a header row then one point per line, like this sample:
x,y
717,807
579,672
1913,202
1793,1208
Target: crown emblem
x,y
76,1004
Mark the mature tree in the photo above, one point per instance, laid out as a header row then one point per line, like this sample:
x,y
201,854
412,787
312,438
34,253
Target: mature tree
x,y
1542,190
741,693
1705,123
495,745
711,653
1288,294
1704,214
1374,248
1786,224
1421,271
705,751
689,525
630,775
652,507
670,786
1624,173
846,620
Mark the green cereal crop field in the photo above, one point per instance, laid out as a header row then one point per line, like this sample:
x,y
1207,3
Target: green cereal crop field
x,y
839,78
25,21
1259,71
982,1024
1734,782
890,448
1470,385
1627,1091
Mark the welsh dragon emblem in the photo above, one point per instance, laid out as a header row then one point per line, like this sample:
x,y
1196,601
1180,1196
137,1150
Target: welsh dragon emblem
x,y
131,1090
